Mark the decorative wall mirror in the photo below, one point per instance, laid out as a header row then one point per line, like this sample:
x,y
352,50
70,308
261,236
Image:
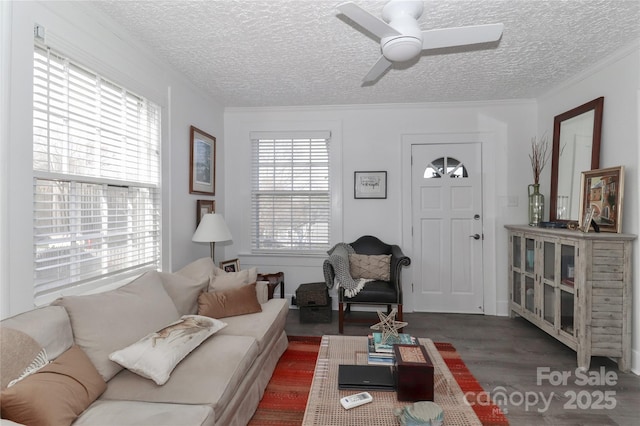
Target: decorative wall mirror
x,y
576,148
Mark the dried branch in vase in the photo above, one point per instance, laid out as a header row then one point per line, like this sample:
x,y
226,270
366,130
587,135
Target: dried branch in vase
x,y
539,156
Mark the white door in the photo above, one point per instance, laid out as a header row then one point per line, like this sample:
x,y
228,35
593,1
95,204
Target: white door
x,y
446,198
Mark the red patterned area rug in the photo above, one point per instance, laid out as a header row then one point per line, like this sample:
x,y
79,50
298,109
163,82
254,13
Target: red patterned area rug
x,y
285,398
488,412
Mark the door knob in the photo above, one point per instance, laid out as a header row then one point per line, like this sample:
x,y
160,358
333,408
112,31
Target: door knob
x,y
475,236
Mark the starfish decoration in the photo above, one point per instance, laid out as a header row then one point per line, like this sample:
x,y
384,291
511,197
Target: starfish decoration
x,y
388,325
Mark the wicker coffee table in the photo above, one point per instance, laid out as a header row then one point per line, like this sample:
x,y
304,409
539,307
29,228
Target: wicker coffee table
x,y
323,406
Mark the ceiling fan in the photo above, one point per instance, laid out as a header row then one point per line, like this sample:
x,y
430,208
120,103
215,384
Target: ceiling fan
x,y
401,39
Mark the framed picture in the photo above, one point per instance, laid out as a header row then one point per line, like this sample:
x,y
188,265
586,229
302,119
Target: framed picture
x,y
370,185
204,207
232,265
602,190
202,163
586,220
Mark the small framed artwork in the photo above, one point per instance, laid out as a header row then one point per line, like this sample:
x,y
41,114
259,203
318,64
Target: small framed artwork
x,y
202,163
586,220
204,207
370,184
232,265
602,190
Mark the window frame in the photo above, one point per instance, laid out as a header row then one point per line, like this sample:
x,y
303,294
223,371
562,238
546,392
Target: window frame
x,y
110,185
283,137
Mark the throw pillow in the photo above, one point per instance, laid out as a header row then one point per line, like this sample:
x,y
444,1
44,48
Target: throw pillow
x,y
229,303
262,291
184,291
198,269
226,280
56,394
105,322
157,354
374,267
19,350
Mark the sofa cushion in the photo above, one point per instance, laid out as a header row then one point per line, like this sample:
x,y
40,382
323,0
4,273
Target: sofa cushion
x,y
156,355
228,303
374,267
49,326
198,269
263,326
105,322
225,280
135,413
184,291
56,394
210,375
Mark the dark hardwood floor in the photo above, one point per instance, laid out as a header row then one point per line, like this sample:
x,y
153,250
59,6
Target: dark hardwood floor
x,y
505,356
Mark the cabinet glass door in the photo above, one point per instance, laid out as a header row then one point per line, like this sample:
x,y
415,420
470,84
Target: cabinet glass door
x,y
567,288
548,280
567,265
566,312
517,285
549,305
549,261
530,294
516,272
529,251
515,247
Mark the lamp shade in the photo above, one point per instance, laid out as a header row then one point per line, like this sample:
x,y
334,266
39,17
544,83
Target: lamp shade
x,y
212,229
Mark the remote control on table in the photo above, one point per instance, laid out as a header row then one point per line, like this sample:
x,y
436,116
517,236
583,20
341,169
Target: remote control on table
x,y
356,400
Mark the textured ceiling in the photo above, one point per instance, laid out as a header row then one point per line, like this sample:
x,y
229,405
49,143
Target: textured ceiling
x,y
294,52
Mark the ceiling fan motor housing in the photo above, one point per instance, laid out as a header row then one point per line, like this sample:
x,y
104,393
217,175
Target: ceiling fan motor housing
x,y
402,15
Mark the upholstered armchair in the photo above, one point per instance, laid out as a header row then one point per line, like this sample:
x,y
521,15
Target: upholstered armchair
x,y
375,292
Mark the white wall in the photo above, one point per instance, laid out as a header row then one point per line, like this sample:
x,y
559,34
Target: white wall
x,y
371,138
617,78
84,34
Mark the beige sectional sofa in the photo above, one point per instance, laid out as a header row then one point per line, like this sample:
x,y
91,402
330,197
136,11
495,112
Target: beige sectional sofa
x,y
219,383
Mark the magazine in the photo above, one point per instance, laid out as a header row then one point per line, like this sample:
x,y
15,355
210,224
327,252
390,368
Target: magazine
x,y
387,347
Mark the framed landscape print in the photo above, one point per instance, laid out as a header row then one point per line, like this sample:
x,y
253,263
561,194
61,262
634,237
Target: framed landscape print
x,y
370,185
204,207
602,190
202,163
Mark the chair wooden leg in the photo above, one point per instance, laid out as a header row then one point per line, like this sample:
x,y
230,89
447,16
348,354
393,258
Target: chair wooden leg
x,y
341,317
399,317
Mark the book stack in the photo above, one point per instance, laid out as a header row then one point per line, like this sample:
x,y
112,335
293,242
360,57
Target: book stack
x,y
382,353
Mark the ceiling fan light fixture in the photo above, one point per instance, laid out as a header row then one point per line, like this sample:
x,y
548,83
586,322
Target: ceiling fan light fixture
x,y
402,39
403,48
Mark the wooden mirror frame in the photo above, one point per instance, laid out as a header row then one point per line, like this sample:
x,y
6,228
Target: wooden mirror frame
x,y
597,106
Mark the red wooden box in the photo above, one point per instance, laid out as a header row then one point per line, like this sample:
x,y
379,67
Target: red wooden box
x,y
414,373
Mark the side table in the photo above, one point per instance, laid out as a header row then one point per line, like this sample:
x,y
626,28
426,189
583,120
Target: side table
x,y
276,279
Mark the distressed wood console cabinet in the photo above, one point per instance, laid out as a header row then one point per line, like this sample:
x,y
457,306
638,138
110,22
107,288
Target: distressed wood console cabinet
x,y
575,286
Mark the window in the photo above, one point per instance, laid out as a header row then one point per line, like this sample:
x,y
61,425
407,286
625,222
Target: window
x,y
445,166
290,197
96,165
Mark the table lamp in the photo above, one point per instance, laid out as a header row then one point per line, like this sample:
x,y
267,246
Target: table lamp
x,y
212,229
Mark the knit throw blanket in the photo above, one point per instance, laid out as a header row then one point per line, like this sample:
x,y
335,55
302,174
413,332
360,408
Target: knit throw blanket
x,y
339,260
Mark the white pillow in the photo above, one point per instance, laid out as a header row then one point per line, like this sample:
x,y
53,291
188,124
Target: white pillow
x,y
157,354
222,280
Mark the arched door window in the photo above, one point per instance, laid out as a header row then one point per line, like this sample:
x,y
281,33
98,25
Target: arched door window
x,y
445,166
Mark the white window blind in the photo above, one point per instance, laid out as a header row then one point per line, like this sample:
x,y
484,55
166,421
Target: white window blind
x,y
290,197
96,163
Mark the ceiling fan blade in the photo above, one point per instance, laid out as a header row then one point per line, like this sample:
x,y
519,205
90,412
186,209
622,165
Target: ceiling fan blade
x,y
366,20
460,36
377,70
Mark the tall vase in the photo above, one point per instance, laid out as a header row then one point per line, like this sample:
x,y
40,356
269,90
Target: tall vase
x,y
536,205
